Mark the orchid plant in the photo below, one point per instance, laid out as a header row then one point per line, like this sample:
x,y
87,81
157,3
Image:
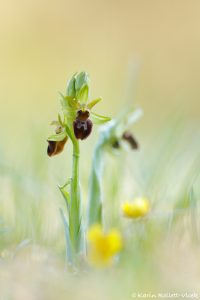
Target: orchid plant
x,y
76,124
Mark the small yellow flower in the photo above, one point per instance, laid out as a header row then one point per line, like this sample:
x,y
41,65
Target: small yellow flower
x,y
140,207
102,247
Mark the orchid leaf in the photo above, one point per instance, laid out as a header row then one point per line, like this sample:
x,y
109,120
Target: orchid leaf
x,y
67,237
65,193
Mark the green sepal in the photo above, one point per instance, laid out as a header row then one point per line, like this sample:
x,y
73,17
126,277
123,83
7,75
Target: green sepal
x,y
71,90
98,119
82,86
83,94
58,137
81,79
92,103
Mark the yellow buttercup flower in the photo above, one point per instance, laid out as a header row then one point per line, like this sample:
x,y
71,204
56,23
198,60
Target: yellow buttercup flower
x,y
138,208
102,246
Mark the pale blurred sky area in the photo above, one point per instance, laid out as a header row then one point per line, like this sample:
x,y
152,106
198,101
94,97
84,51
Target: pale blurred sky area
x,y
147,51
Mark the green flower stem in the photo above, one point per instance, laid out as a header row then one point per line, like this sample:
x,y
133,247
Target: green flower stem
x,y
75,226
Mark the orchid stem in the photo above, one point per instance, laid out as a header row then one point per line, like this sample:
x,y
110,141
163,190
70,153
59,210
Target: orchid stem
x,y
75,220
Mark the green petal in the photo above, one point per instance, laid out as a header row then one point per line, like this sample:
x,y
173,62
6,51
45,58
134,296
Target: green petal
x,y
93,103
98,119
58,137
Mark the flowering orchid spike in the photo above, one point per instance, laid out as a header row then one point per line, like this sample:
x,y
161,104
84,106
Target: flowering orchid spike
x,y
78,117
76,108
76,125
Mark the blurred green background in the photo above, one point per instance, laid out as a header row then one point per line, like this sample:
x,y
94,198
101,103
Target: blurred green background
x,y
137,51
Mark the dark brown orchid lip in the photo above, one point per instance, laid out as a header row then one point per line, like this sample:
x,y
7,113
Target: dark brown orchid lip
x,y
130,139
55,148
82,129
82,125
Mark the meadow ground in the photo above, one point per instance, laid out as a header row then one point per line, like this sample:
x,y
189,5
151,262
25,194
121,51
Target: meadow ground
x,y
161,252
